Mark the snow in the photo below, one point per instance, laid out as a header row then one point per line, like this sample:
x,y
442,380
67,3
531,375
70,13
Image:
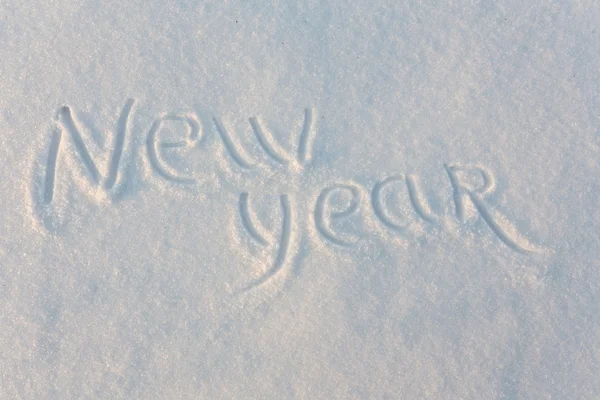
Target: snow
x,y
303,200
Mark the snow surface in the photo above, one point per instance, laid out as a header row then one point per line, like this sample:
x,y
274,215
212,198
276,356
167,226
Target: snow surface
x,y
304,200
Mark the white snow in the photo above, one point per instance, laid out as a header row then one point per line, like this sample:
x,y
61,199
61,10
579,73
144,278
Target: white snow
x,y
299,200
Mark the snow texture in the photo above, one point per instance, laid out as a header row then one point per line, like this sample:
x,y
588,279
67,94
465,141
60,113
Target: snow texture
x,y
299,199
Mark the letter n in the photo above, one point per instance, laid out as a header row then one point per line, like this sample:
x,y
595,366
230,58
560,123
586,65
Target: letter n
x,y
66,124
